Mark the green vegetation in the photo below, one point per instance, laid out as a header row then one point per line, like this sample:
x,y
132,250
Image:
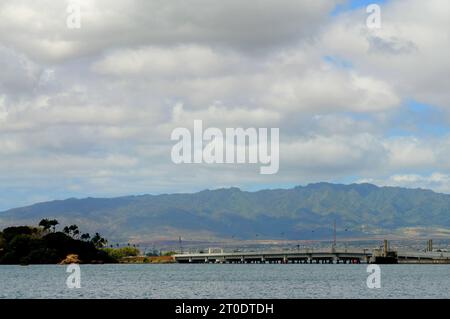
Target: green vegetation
x,y
153,253
44,245
46,224
304,212
72,231
99,241
119,253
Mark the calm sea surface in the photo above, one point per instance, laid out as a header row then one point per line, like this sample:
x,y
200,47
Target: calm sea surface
x,y
225,281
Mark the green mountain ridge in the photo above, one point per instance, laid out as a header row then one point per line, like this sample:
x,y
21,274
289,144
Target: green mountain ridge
x,y
302,212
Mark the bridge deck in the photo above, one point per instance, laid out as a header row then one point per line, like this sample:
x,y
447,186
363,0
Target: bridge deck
x,y
308,256
284,256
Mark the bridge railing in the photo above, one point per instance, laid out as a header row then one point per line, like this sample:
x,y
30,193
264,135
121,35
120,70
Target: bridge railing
x,y
305,251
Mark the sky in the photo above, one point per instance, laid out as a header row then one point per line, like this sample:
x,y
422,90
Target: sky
x,y
90,111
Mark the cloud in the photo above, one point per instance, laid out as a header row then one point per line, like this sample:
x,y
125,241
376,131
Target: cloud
x,y
331,90
221,116
19,75
335,154
89,112
410,153
250,25
156,62
437,181
409,50
285,81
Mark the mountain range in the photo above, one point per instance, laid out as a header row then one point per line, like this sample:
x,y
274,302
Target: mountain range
x,y
302,212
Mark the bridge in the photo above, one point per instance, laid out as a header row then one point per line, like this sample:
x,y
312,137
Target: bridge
x,y
304,256
429,257
312,256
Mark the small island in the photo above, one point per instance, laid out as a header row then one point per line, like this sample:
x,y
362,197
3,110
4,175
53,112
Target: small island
x,y
43,244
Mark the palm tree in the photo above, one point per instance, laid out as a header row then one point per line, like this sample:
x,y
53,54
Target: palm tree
x,y
74,230
85,237
45,223
66,230
53,223
48,223
99,241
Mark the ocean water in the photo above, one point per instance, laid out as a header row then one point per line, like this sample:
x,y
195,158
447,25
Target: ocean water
x,y
225,281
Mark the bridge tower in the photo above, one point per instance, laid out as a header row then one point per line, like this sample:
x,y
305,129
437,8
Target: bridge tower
x,y
430,245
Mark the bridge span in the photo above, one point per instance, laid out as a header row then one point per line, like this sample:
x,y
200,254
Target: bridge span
x,y
278,257
319,256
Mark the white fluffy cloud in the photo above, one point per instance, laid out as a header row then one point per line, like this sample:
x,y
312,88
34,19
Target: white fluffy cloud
x,y
90,111
175,62
437,181
410,51
39,27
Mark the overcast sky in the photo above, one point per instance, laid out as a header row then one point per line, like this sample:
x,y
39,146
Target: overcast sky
x,y
89,111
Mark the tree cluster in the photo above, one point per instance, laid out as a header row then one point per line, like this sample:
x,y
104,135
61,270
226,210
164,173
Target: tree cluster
x,y
46,245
